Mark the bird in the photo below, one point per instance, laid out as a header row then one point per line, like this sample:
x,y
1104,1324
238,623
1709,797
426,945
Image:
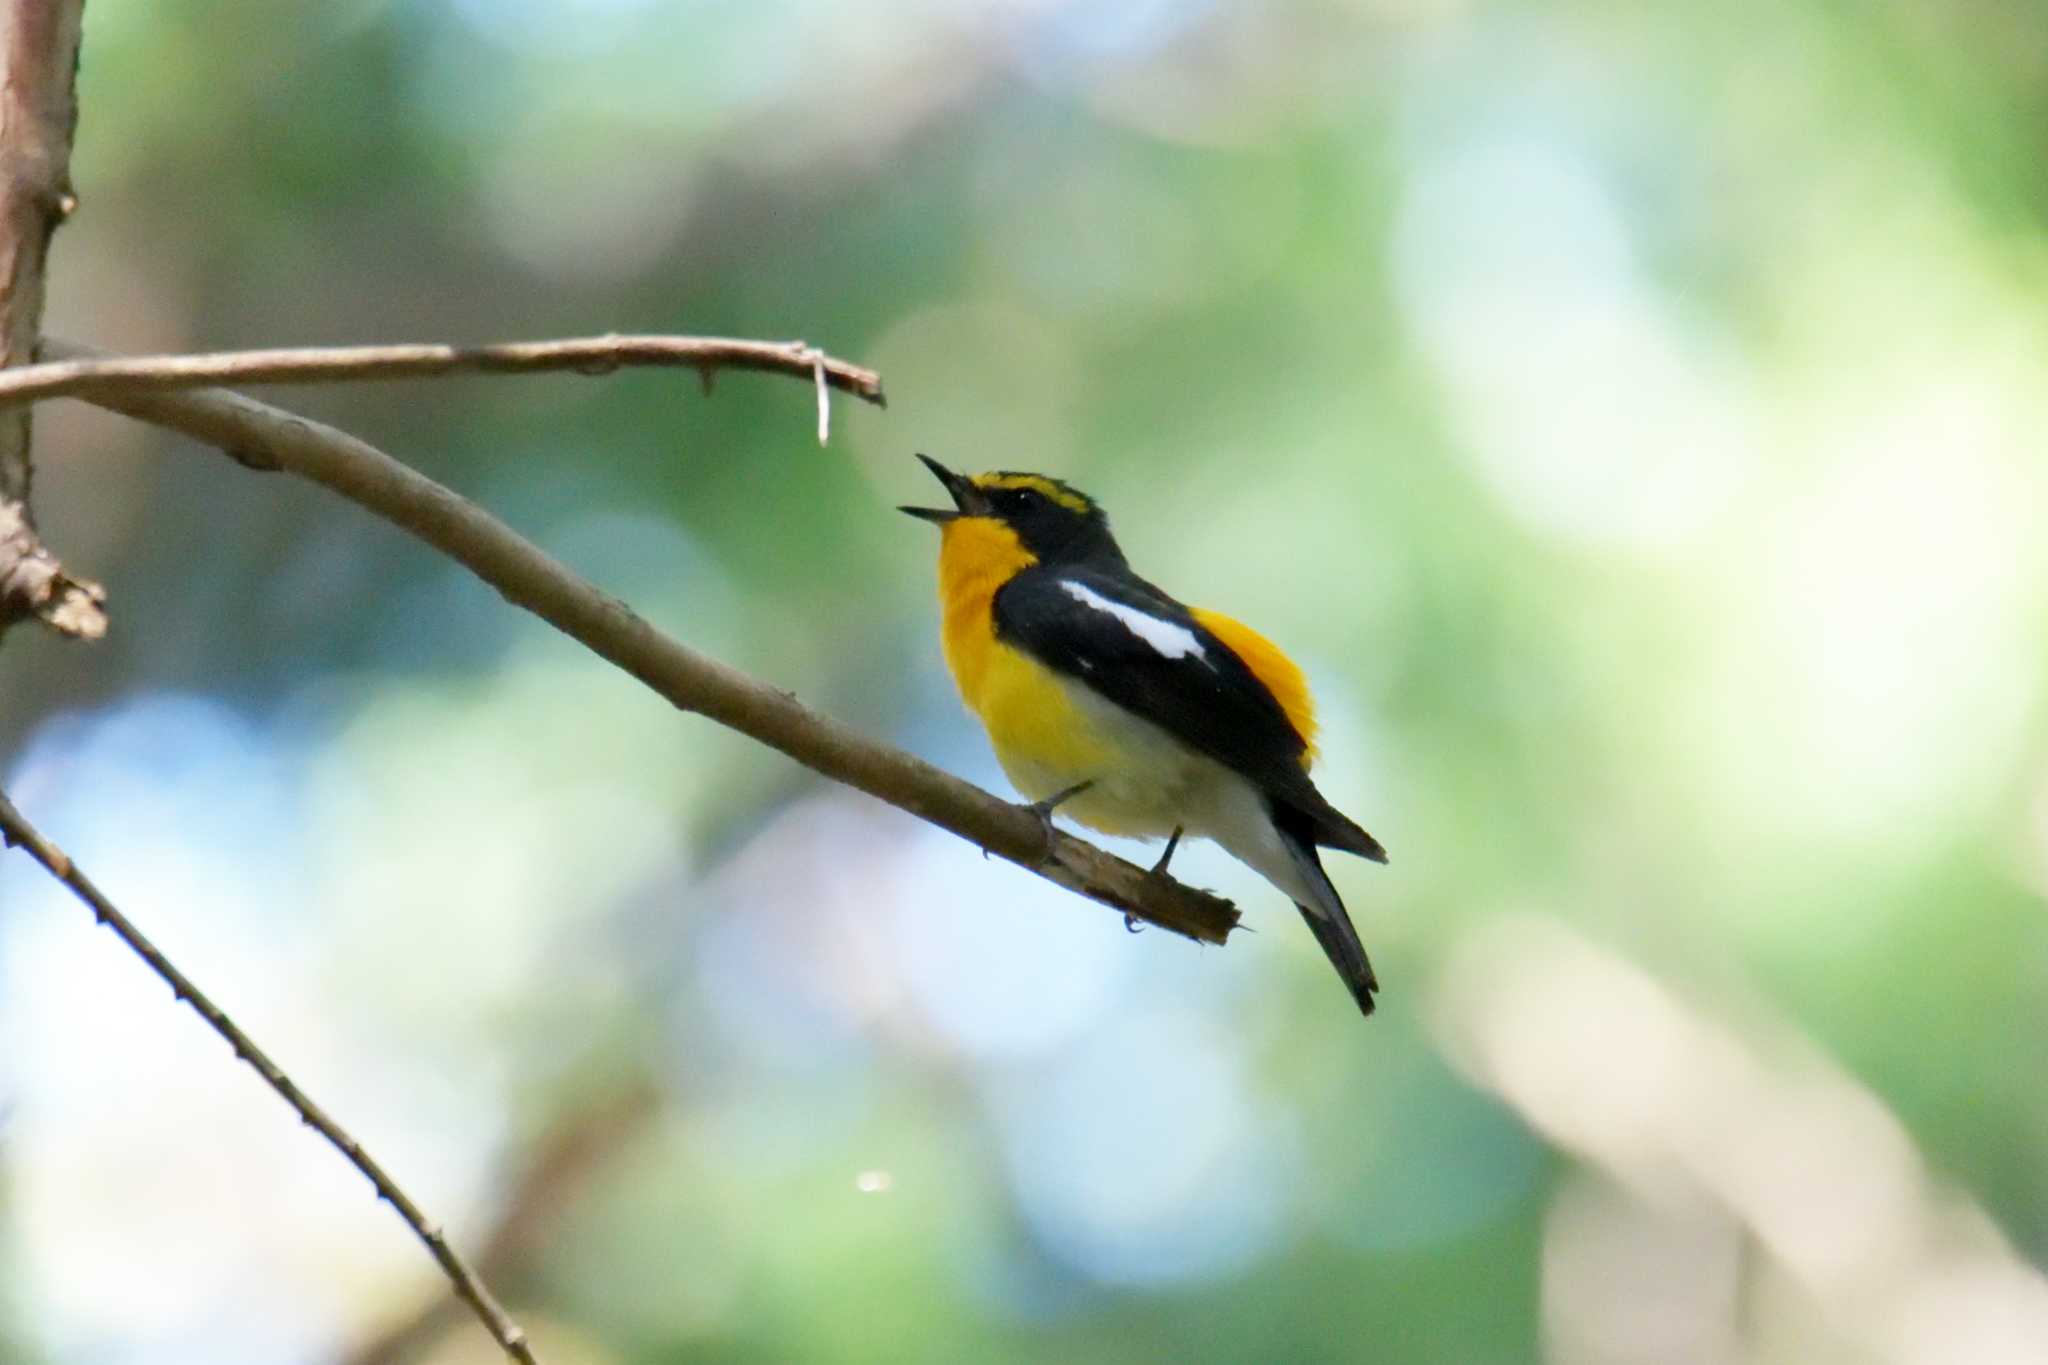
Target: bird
x,y
1109,700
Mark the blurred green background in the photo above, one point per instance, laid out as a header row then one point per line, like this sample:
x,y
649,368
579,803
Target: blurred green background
x,y
1631,415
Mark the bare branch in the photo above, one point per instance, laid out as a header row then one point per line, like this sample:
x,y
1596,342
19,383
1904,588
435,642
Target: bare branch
x,y
38,111
16,830
33,583
79,374
269,438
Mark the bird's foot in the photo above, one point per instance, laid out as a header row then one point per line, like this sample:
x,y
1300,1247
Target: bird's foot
x,y
1131,922
1044,809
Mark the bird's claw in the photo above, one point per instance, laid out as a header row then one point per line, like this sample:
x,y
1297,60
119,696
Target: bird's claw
x,y
1132,925
1044,809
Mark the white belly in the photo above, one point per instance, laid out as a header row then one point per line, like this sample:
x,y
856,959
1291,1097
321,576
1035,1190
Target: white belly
x,y
1144,781
1148,784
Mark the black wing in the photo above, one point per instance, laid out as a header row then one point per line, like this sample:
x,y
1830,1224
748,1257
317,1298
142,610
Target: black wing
x,y
1148,654
1134,645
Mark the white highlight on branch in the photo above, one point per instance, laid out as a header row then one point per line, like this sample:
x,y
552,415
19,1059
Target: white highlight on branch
x,y
824,397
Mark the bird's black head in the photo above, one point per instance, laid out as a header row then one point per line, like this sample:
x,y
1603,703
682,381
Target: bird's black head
x,y
1057,523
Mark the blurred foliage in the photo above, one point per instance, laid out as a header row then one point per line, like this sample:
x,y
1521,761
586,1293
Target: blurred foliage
x,y
1629,414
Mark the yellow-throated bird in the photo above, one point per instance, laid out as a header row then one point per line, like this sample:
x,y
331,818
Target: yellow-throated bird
x,y
1132,713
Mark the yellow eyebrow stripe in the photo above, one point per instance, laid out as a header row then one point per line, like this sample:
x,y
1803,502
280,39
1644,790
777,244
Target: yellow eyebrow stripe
x,y
1072,501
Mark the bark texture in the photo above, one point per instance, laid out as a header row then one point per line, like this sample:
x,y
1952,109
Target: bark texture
x,y
38,114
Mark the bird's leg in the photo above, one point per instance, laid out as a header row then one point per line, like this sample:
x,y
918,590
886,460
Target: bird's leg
x,y
1131,923
1172,843
1044,809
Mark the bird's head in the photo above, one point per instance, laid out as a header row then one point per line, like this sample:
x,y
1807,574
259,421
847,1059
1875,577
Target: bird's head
x,y
1056,523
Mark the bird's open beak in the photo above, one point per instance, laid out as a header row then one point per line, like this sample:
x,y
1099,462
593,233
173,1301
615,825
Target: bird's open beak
x,y
967,499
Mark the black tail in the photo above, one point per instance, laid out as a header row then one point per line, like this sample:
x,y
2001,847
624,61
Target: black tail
x,y
1327,919
1332,828
1346,953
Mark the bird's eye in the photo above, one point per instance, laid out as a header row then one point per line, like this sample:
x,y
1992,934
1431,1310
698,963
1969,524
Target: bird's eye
x,y
1014,499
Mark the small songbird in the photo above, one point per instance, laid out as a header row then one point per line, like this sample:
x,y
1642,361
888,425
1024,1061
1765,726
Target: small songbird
x,y
1129,712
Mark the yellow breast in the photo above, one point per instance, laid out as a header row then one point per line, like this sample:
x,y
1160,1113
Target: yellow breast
x,y
1026,708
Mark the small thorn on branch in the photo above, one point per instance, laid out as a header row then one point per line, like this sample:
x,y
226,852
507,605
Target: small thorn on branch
x,y
250,457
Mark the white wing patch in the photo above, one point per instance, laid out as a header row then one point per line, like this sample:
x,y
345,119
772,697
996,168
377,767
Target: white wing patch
x,y
1170,638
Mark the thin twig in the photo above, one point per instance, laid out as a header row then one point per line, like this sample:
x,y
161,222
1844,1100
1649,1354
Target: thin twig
x,y
33,583
16,830
265,437
82,374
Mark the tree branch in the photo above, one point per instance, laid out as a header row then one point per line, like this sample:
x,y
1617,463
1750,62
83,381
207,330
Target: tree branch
x,y
264,437
16,830
80,373
38,112
33,583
